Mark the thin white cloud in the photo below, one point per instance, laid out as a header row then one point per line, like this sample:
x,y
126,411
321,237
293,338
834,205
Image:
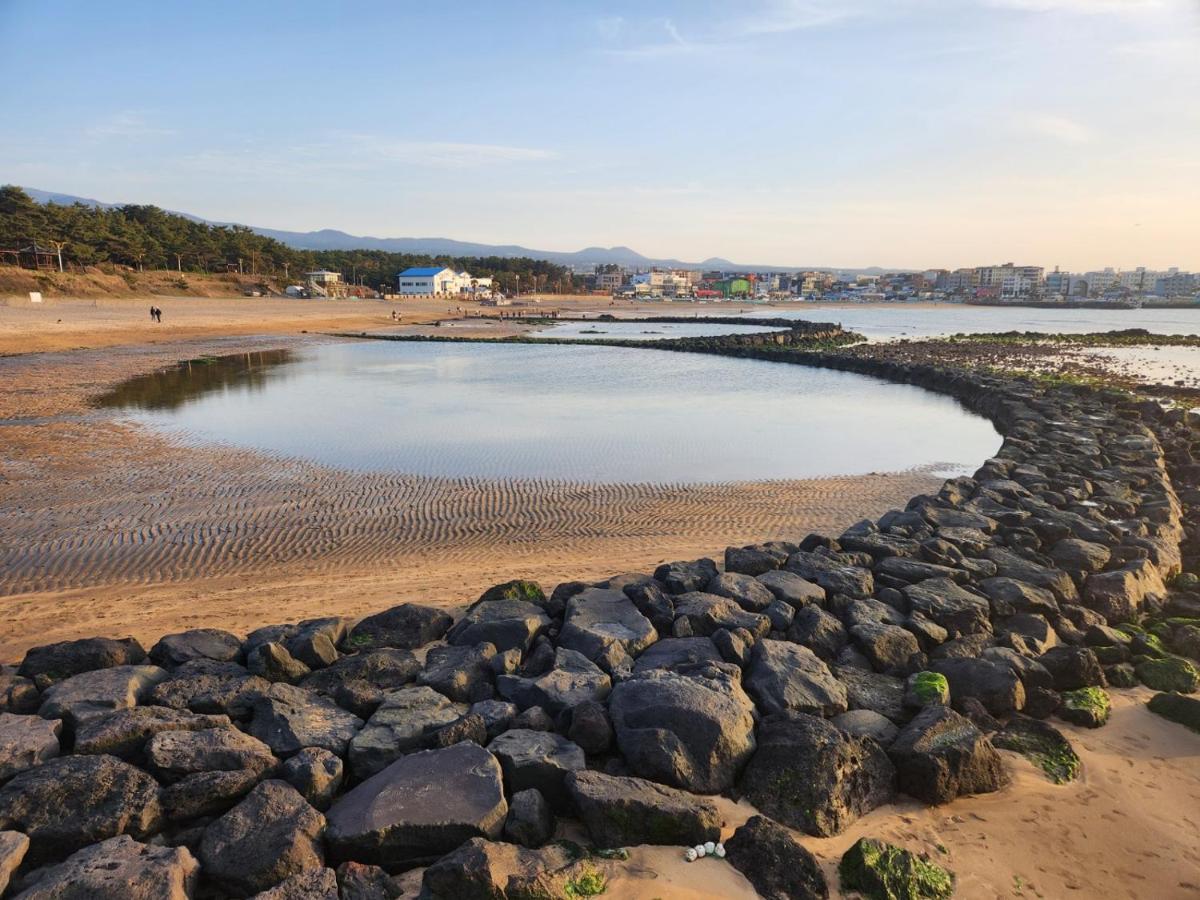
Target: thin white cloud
x,y
1059,128
783,16
1088,7
126,124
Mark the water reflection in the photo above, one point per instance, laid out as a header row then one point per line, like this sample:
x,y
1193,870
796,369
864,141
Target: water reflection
x,y
173,388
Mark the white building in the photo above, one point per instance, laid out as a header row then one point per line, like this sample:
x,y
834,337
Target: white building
x,y
440,281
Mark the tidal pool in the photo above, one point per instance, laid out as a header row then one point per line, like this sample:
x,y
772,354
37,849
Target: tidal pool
x,y
576,413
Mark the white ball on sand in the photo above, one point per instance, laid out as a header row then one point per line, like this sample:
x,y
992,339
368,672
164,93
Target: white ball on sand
x,y
719,850
699,848
709,848
690,854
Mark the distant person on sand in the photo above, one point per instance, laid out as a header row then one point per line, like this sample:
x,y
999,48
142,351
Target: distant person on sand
x,y
152,316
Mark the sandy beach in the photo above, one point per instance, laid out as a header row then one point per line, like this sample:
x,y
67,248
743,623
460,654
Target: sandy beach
x,y
113,527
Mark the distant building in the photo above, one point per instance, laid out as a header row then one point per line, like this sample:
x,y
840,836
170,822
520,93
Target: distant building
x,y
324,283
609,278
1099,282
1139,280
1176,284
440,281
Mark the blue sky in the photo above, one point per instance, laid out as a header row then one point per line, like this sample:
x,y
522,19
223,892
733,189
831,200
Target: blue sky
x,y
798,132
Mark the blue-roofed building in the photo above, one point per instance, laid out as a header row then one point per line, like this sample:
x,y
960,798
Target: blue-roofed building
x,y
439,280
428,280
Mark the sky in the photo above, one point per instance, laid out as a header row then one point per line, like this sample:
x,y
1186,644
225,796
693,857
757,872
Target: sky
x,y
896,133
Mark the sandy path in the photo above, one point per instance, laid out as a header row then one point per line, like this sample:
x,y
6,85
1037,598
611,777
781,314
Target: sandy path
x,y
110,528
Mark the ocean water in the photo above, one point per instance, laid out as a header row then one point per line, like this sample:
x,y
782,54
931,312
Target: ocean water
x,y
576,413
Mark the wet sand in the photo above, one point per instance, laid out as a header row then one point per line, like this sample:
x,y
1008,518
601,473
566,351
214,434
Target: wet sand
x,y
112,528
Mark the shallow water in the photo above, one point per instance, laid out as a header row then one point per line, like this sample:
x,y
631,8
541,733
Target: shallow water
x,y
580,413
889,321
643,331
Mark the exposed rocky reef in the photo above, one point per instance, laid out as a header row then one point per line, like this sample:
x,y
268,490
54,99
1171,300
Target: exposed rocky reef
x,y
818,678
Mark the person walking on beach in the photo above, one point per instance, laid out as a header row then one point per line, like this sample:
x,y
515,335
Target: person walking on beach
x,y
152,316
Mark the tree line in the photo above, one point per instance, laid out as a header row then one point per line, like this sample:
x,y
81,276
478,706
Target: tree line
x,y
146,237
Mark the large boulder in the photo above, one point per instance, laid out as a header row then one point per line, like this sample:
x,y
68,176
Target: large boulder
x,y
506,624
605,626
746,592
269,836
311,884
1119,594
489,870
55,662
1072,667
402,724
706,613
530,821
955,608
833,576
693,729
941,755
1009,596
95,693
273,662
623,811
793,590
13,847
72,801
124,732
287,719
118,868
1080,557
875,691
358,682
463,673
206,793
18,694
889,648
407,626
538,759
316,774
420,807
173,755
672,653
1010,565
756,559
571,680
785,677
25,742
774,862
200,643
878,870
993,684
683,577
209,686
821,632
811,776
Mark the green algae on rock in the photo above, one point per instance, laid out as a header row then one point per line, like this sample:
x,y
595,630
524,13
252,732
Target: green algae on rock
x,y
881,871
1088,706
1043,745
1177,708
1171,673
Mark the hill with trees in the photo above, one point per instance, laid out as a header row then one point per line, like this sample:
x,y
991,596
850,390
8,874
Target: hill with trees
x,y
146,237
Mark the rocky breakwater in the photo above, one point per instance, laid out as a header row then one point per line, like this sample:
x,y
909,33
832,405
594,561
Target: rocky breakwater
x,y
817,679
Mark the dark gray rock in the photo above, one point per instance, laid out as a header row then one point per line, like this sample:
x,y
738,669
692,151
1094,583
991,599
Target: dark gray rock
x,y
538,759
174,754
72,801
534,719
497,715
273,662
747,592
360,882
210,687
420,807
511,624
207,793
488,870
776,865
604,625
316,774
530,820
25,742
271,835
90,694
732,647
875,691
458,672
785,677
954,608
1072,667
793,590
55,662
1011,565
1027,633
1080,557
993,684
671,653
866,723
288,719
573,679
654,603
819,631
755,559
705,613
809,775
13,847
833,576
1009,596
623,812
359,682
403,723
200,643
683,577
590,727
118,868
692,730
406,626
941,755
18,695
889,648
311,884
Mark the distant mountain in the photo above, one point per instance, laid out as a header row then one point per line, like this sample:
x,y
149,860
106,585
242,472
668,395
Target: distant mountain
x,y
331,239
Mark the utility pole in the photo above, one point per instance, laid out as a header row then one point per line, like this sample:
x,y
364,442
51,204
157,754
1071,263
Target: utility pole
x,y
58,247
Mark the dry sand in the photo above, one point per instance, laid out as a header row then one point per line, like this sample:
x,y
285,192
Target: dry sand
x,y
111,528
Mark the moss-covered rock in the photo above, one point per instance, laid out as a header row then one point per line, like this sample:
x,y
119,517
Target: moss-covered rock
x,y
1186,581
1043,745
881,871
925,689
1177,708
1171,673
1121,675
1087,706
529,591
1109,656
